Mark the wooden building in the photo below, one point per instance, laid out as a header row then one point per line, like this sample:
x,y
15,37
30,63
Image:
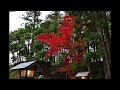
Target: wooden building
x,y
32,69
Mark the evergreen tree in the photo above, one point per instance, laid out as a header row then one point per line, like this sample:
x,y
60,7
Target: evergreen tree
x,y
33,22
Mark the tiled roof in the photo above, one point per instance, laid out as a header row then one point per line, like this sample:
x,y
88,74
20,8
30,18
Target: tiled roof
x,y
23,65
79,74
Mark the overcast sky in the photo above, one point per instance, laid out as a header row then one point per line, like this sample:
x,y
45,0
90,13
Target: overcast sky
x,y
15,21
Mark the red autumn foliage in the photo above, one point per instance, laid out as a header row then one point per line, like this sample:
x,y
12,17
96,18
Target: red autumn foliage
x,y
44,38
57,41
67,65
62,40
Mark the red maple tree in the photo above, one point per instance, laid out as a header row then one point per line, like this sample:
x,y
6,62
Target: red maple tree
x,y
63,40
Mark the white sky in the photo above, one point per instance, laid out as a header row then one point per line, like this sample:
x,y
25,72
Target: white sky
x,y
15,21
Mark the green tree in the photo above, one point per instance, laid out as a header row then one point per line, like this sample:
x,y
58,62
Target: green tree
x,y
33,22
17,44
95,28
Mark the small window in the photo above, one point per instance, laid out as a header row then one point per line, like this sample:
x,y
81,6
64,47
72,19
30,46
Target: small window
x,y
23,73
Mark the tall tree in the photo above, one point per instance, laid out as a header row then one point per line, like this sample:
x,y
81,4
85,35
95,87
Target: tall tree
x,y
62,40
105,37
17,43
33,22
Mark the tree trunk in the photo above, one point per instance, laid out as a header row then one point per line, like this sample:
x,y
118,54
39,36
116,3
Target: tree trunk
x,y
106,60
13,61
104,65
104,46
107,37
28,48
89,69
19,57
33,29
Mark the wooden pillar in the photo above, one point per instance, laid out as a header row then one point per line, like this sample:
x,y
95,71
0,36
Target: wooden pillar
x,y
20,73
26,75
